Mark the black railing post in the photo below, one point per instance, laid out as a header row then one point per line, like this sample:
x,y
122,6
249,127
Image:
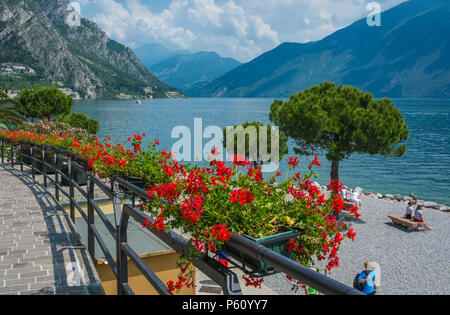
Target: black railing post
x,y
20,157
33,162
122,259
12,154
3,151
71,189
91,217
55,163
44,168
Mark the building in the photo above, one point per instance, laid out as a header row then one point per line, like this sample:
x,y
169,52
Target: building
x,y
12,94
19,68
30,71
8,68
148,90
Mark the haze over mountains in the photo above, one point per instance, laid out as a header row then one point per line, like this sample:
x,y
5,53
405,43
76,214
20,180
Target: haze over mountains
x,y
190,73
154,53
83,58
408,56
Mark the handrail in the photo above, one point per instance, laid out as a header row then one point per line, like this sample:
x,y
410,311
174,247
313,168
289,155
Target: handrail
x,y
217,272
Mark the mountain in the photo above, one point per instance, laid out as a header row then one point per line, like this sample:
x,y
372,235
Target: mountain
x,y
152,54
190,73
36,34
408,56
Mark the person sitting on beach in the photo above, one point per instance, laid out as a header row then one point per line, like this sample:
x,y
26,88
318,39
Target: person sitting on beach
x,y
344,193
355,197
418,217
409,211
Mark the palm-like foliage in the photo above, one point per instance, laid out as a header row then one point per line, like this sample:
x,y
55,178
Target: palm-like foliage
x,y
11,112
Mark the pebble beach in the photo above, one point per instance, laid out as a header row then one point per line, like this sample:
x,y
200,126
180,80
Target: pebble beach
x,y
411,263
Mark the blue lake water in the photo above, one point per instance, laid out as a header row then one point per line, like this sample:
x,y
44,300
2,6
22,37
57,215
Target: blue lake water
x,y
424,170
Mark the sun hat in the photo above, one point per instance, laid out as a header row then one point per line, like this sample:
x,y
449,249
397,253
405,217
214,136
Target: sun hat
x,y
369,266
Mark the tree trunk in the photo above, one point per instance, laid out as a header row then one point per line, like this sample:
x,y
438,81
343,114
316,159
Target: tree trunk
x,y
334,170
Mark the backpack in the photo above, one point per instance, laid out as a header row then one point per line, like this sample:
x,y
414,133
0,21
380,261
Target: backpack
x,y
356,284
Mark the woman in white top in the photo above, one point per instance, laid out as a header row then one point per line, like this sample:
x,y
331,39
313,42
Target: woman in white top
x,y
355,198
418,217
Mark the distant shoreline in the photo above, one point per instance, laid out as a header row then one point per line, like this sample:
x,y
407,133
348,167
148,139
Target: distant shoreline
x,y
253,98
397,198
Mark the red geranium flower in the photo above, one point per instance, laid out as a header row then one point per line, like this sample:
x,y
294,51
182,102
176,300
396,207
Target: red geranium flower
x,y
316,161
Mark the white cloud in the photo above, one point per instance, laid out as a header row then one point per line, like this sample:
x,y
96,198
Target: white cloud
x,y
241,29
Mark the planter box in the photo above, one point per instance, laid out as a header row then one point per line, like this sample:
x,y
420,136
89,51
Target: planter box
x,y
79,177
276,243
50,161
139,182
26,150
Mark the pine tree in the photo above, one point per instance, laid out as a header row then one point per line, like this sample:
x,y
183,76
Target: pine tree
x,y
339,121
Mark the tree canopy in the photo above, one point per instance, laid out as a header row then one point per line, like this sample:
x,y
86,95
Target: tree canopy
x,y
43,102
341,120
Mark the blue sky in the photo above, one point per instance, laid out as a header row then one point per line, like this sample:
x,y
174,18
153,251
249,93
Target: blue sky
x,y
241,29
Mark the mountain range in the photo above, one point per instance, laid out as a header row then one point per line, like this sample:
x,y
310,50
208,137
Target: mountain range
x,y
407,56
83,58
153,53
190,73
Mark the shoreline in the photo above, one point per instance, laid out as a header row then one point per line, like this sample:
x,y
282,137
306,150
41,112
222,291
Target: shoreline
x,y
397,198
406,199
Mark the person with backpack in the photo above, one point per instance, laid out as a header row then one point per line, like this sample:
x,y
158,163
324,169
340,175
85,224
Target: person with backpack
x,y
365,281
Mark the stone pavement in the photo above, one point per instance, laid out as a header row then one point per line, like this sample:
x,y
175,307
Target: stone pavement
x,y
40,251
206,286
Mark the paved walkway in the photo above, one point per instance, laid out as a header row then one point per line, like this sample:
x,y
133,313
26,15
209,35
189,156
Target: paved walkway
x,y
40,252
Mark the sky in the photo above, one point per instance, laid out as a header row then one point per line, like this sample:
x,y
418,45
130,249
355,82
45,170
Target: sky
x,y
241,29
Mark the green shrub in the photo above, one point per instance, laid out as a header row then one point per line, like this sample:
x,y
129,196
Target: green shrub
x,y
79,120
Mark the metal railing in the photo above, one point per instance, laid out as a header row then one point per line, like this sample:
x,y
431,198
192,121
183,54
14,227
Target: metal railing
x,y
47,159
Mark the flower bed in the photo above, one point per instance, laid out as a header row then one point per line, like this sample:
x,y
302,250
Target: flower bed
x,y
210,203
50,128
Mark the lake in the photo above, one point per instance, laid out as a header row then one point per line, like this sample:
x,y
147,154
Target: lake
x,y
424,170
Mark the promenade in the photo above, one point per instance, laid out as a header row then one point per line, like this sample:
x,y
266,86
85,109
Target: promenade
x,y
40,251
